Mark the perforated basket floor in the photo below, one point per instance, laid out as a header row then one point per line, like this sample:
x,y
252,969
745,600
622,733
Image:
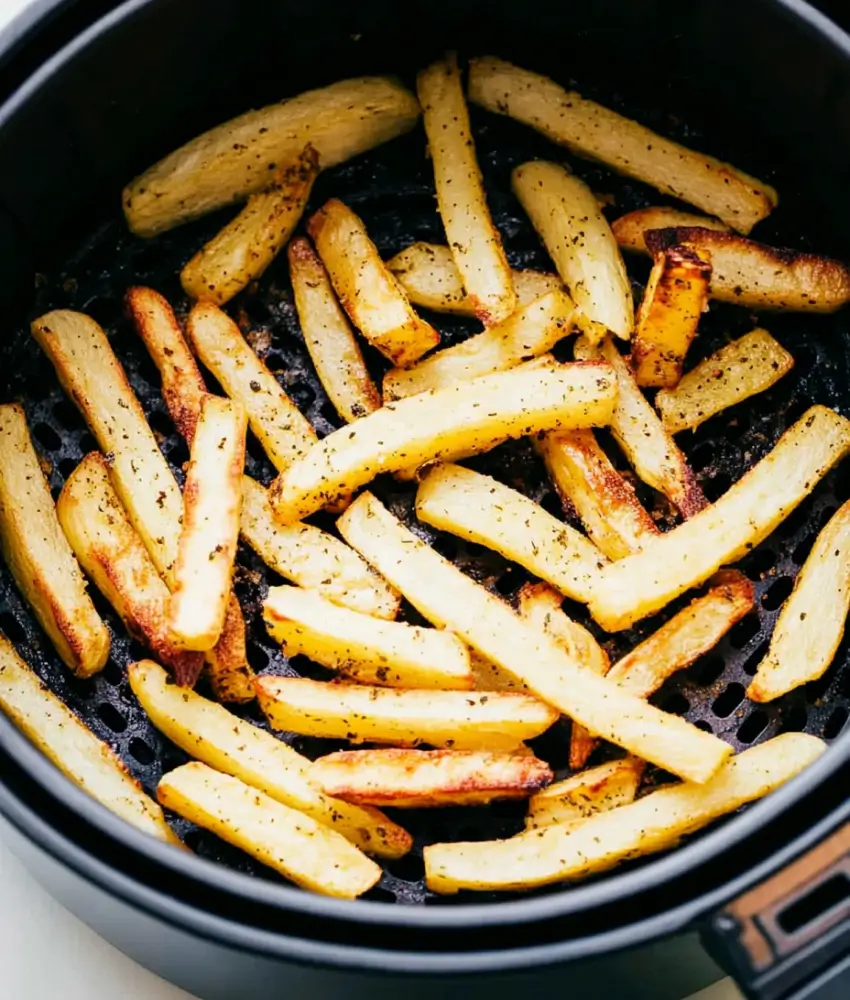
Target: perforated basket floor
x,y
392,189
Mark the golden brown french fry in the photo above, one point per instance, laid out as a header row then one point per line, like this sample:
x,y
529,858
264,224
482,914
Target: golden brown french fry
x,y
374,300
386,653
629,229
636,427
77,752
490,676
428,274
811,624
583,475
737,371
474,241
333,349
240,252
215,736
637,586
460,720
39,556
757,276
239,157
212,500
414,779
112,554
652,823
306,852
591,130
676,296
585,794
449,599
283,431
471,416
529,332
568,219
482,510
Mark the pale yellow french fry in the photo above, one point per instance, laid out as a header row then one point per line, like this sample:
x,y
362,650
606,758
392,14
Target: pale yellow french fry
x,y
629,229
639,585
585,794
38,554
652,823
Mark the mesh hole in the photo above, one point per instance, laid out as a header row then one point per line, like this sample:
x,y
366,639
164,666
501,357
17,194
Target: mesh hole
x,y
328,411
380,895
745,631
47,437
551,503
759,563
704,726
161,423
801,552
112,673
141,752
753,726
508,582
835,723
302,395
410,868
11,627
67,466
701,456
447,547
777,594
66,415
709,669
726,703
715,487
751,664
817,689
257,657
87,443
192,839
793,719
111,717
675,703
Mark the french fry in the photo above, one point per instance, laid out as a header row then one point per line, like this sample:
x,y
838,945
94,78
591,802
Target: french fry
x,y
212,499
811,624
529,332
213,735
652,823
330,341
482,510
430,278
636,427
373,299
629,229
416,779
387,653
460,720
78,753
112,554
583,475
591,130
474,241
38,554
239,157
757,276
490,676
283,431
306,852
470,416
745,515
676,296
585,794
240,252
312,558
568,219
449,599
736,372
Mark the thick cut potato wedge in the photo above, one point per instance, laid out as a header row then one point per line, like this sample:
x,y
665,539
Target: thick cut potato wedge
x,y
737,371
239,157
77,752
460,720
529,332
306,852
583,475
213,735
113,556
568,219
330,340
629,229
676,296
591,130
811,624
428,274
283,431
374,300
585,794
450,599
312,558
241,252
39,556
391,654
469,417
413,779
652,823
745,515
212,500
757,276
637,429
482,510
474,241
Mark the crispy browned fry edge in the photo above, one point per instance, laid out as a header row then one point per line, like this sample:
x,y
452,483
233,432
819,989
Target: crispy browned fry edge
x,y
582,795
630,228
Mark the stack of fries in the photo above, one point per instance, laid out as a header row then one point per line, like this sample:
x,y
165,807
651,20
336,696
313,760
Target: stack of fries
x,y
451,705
